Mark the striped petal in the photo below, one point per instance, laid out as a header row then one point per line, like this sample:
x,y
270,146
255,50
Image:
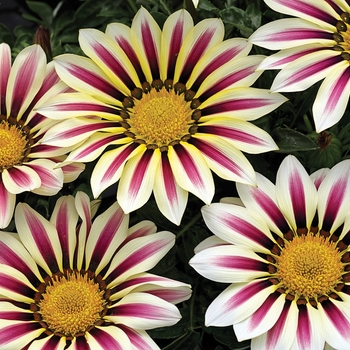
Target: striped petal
x,y
225,160
290,32
108,337
25,79
7,207
263,319
139,339
139,255
247,137
333,193
318,176
50,342
83,75
20,179
9,311
229,263
236,225
17,335
282,334
209,242
175,29
244,103
137,179
51,178
5,68
65,219
170,197
110,166
191,171
237,302
261,200
203,36
40,237
143,311
296,193
71,171
332,97
306,71
107,232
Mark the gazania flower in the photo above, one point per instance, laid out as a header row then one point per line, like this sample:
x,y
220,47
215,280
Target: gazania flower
x,y
25,165
171,104
313,46
286,255
71,283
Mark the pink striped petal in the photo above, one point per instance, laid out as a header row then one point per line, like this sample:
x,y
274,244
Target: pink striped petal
x,y
237,302
65,219
224,159
51,179
11,312
211,241
110,166
191,171
229,263
282,334
137,179
5,68
107,232
142,228
20,179
334,191
139,255
236,225
71,171
139,339
332,97
7,207
50,342
26,77
296,193
40,237
170,197
318,176
143,311
108,337
16,335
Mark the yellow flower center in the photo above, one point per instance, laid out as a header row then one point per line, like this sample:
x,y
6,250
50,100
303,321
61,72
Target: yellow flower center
x,y
72,304
160,117
13,145
309,266
342,36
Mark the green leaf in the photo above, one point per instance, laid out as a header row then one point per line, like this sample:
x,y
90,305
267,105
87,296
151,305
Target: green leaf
x,y
254,15
237,18
289,140
43,10
226,336
5,35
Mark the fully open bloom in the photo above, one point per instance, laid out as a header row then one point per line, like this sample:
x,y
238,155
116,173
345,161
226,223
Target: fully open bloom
x,y
25,165
286,253
171,104
78,284
314,46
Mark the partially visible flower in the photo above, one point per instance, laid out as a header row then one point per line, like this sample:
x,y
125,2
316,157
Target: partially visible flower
x,y
25,164
74,283
286,255
171,105
314,46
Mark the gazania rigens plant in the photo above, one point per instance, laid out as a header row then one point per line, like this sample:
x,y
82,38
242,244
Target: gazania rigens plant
x,y
77,283
314,46
171,105
25,164
286,254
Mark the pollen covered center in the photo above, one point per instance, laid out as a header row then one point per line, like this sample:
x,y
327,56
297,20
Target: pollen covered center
x,y
309,266
160,117
72,305
342,35
13,145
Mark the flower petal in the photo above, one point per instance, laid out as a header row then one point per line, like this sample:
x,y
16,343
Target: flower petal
x,y
7,207
21,178
107,337
139,339
5,68
50,342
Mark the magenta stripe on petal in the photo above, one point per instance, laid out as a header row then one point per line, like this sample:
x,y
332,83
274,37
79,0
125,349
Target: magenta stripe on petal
x,y
299,34
15,315
95,81
234,134
136,281
217,62
197,51
169,180
298,199
175,46
239,263
259,315
304,328
337,318
335,199
335,6
274,334
113,64
150,49
9,283
247,293
81,343
5,68
141,310
52,343
85,106
20,178
136,339
105,340
14,331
